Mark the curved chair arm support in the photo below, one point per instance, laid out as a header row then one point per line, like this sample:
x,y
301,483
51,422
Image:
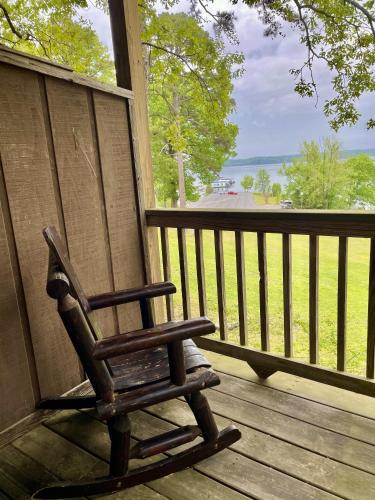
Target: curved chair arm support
x,y
145,339
131,295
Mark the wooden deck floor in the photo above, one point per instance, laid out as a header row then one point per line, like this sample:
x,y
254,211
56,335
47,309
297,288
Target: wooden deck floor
x,y
300,440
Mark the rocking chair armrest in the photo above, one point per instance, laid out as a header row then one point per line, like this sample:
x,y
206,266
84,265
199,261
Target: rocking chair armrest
x,y
130,295
153,337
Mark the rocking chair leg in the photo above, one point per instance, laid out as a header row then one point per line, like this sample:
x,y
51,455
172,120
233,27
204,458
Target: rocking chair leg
x,y
119,432
203,415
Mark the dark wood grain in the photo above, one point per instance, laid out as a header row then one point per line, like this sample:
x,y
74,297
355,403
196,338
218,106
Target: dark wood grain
x,y
184,273
203,415
370,363
164,442
164,240
263,291
119,433
314,299
342,302
161,391
111,299
287,295
176,360
151,365
317,222
146,339
241,288
220,283
201,279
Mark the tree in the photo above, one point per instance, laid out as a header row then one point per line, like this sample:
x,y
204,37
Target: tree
x,y
338,33
247,182
318,179
55,29
189,89
361,170
276,190
262,183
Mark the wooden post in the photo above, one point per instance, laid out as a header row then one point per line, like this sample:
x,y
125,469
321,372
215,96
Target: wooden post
x,y
130,74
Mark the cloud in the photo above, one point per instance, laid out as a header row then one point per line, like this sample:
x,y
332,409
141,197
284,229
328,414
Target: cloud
x,y
272,118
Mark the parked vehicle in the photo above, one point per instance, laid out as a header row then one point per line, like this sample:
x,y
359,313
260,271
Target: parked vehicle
x,y
232,192
286,204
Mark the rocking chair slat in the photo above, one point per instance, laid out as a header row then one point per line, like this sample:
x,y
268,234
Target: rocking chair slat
x,y
165,442
162,391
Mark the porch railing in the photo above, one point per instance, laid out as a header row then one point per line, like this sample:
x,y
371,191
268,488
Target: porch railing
x,y
342,225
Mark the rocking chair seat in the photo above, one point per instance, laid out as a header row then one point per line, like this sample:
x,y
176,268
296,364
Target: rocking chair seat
x,y
151,365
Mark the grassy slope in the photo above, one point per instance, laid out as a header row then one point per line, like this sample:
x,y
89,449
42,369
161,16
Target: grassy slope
x,y
357,292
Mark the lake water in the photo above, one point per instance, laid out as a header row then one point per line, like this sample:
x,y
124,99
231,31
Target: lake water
x,y
238,173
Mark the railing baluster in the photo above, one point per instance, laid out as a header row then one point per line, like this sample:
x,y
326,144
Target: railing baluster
x,y
341,302
166,269
287,294
220,284
371,314
241,288
263,292
201,281
184,272
313,298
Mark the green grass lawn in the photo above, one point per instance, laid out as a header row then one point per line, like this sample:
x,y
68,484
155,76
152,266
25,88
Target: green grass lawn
x,y
357,293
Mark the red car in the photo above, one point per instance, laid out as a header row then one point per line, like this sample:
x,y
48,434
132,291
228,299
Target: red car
x,y
232,192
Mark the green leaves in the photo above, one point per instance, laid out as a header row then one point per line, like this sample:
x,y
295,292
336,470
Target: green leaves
x,y
320,179
263,183
189,90
247,182
55,29
339,32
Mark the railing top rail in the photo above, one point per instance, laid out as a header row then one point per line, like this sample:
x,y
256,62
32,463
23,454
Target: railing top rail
x,y
357,223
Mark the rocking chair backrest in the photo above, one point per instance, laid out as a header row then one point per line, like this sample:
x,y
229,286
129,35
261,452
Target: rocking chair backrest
x,y
57,248
75,312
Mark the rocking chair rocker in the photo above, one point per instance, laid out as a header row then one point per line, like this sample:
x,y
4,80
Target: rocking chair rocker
x,y
132,371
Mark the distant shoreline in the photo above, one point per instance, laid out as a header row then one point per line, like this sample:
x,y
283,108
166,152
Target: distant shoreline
x,y
270,160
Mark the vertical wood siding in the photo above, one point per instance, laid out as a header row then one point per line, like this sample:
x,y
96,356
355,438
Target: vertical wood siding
x,y
65,160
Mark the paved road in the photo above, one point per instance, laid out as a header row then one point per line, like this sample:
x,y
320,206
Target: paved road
x,y
240,200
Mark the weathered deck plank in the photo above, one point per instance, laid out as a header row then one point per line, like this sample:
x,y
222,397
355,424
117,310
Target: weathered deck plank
x,y
233,469
76,426
291,384
319,471
329,418
292,447
326,443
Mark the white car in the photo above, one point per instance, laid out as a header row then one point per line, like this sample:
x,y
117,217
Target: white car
x,y
286,204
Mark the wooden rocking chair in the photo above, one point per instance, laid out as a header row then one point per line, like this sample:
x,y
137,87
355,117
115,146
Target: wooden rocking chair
x,y
132,371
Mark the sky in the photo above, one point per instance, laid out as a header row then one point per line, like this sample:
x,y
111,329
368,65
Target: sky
x,y
271,117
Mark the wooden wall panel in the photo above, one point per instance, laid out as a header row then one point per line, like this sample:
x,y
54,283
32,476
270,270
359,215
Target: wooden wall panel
x,y
32,204
65,160
120,200
15,379
81,191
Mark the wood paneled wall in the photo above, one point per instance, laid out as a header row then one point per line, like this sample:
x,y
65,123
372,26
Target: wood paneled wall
x,y
65,159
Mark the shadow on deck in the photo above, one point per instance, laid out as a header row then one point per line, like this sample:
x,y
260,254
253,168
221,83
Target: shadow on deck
x,y
300,440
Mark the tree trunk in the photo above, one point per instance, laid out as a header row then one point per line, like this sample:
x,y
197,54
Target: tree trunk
x,y
181,179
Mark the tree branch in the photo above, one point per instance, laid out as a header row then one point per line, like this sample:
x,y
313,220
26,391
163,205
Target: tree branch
x,y
182,58
13,29
364,11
